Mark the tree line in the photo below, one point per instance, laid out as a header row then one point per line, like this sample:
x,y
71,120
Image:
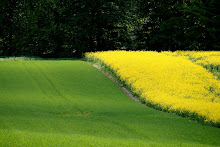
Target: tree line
x,y
68,28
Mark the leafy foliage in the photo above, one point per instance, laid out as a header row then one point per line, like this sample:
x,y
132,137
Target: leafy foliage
x,y
180,25
66,28
60,28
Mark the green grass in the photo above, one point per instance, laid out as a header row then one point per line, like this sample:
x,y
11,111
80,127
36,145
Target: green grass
x,y
70,103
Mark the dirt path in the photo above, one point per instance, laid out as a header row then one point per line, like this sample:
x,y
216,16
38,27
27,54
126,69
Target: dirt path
x,y
127,92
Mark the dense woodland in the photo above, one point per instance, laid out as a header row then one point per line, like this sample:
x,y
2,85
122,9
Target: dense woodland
x,y
68,28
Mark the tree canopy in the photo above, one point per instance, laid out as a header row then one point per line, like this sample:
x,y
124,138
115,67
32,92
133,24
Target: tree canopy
x,y
68,28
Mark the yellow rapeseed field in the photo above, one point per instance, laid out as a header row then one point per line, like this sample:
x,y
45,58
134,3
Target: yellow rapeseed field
x,y
208,59
173,83
199,57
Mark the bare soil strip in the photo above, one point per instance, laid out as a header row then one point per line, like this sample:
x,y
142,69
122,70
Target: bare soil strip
x,y
127,92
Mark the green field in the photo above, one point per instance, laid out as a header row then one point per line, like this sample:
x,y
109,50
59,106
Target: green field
x,y
70,103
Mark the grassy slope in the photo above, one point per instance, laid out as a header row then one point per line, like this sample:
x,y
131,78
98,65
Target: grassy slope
x,y
62,103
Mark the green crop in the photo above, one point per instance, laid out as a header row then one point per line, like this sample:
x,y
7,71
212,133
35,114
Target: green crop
x,y
70,103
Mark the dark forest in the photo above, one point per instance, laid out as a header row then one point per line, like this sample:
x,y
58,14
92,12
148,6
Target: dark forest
x,y
69,28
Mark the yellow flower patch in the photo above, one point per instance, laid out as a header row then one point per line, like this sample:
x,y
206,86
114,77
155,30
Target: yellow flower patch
x,y
172,82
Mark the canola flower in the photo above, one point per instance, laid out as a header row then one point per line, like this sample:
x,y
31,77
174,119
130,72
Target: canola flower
x,y
172,83
208,59
199,57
